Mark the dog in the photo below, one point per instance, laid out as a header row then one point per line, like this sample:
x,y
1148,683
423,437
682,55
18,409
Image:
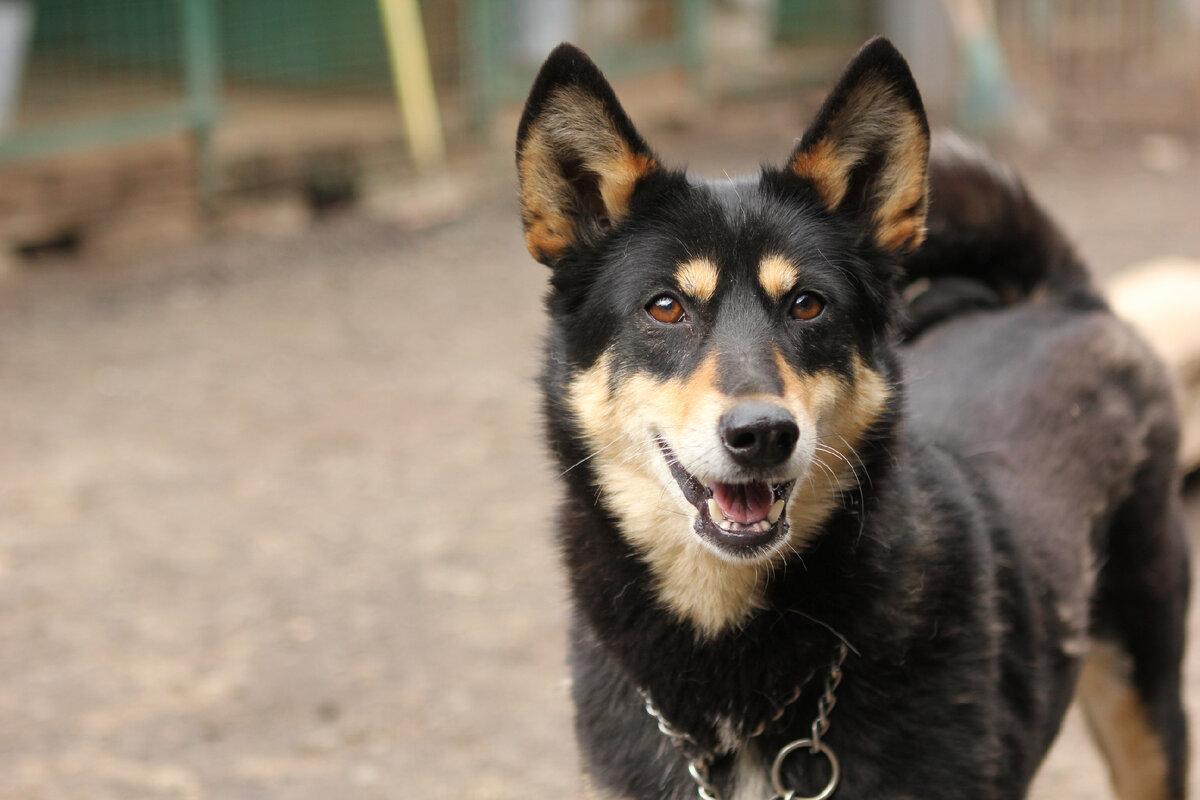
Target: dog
x,y
863,482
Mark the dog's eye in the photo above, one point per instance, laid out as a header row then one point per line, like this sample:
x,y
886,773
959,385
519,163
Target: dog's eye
x,y
665,308
807,306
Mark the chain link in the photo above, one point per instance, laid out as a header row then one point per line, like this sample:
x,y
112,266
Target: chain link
x,y
698,764
681,740
828,698
698,769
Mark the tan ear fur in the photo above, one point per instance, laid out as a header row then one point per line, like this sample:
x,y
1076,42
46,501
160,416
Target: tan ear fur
x,y
577,172
872,133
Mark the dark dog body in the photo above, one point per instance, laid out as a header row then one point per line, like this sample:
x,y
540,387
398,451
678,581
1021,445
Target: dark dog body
x,y
758,468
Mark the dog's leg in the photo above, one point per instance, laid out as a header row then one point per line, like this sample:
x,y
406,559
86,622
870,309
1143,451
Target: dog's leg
x,y
1131,684
1120,720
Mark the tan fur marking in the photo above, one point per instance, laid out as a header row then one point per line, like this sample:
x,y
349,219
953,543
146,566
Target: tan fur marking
x,y
1119,724
622,418
854,131
900,217
698,278
545,200
618,179
873,119
826,168
622,425
841,415
573,125
777,276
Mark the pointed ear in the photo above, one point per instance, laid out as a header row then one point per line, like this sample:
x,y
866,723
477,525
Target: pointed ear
x,y
868,149
578,156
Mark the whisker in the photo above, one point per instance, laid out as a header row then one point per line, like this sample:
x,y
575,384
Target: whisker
x,y
854,452
829,628
858,481
587,458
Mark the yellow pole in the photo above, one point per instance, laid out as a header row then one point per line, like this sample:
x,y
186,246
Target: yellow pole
x,y
413,80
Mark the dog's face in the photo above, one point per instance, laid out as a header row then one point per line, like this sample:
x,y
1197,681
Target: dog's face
x,y
716,347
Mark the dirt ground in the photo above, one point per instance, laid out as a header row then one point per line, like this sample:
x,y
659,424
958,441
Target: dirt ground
x,y
275,520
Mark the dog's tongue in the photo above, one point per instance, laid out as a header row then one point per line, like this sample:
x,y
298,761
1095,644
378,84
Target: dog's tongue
x,y
746,503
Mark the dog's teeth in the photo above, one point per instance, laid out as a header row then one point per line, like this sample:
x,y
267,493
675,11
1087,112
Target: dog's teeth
x,y
731,526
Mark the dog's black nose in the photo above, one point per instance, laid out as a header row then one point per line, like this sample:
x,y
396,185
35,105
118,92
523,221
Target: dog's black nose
x,y
759,434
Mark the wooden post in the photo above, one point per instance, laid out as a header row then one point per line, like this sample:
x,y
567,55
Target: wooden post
x,y
413,81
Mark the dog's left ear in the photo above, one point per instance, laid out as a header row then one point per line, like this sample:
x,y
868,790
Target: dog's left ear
x,y
578,156
867,151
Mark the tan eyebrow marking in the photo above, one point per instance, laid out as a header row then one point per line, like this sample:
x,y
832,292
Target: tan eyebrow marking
x,y
777,275
698,278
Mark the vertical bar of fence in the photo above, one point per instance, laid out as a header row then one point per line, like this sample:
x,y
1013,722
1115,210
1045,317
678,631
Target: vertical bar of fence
x,y
692,22
481,39
201,68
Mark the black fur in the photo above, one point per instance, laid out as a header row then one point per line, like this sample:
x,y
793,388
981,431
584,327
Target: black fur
x,y
1025,427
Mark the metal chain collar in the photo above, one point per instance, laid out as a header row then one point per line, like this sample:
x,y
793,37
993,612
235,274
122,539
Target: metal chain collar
x,y
698,764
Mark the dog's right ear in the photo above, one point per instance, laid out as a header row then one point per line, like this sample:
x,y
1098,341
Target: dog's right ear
x,y
578,156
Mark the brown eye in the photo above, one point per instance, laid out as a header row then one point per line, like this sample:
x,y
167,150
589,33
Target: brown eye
x,y
665,308
807,306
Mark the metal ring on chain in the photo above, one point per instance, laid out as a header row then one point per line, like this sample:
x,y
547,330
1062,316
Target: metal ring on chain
x,y
815,747
698,765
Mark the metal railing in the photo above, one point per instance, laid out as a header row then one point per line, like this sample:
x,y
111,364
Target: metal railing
x,y
195,108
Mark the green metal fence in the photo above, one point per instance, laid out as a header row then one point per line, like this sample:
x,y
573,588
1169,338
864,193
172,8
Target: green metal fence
x,y
247,97
103,73
116,72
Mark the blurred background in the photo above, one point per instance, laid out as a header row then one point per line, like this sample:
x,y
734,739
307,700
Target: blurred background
x,y
275,521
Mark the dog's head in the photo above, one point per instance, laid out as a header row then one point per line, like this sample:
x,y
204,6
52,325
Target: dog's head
x,y
718,349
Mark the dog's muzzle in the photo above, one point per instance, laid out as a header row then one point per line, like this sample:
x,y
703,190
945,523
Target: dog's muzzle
x,y
743,519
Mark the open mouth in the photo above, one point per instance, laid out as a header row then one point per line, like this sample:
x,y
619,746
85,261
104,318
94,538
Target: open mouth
x,y
740,519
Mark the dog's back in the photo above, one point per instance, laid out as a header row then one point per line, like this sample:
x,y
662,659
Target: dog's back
x,y
1015,365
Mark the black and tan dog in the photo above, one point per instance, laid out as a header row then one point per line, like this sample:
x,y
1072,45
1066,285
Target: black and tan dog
x,y
847,514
